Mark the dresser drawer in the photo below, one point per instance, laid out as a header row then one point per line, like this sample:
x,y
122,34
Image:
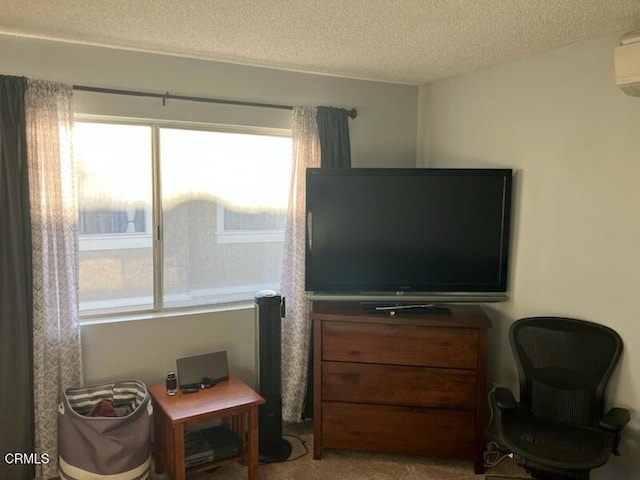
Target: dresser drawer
x,y
398,429
399,385
400,344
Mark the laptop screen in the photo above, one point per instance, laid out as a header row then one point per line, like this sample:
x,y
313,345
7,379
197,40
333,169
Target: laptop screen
x,y
202,369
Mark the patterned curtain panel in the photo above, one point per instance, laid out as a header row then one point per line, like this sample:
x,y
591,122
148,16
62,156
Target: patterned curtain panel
x,y
16,410
296,326
54,231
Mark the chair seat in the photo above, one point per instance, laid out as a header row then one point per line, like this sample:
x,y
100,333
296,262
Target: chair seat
x,y
556,444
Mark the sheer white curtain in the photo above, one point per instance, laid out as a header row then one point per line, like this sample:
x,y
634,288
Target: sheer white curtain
x,y
54,214
296,326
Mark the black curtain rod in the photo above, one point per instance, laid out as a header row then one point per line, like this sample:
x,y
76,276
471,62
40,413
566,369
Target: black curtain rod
x,y
168,96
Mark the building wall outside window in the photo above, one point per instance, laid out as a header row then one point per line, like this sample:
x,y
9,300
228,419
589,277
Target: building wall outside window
x,y
220,210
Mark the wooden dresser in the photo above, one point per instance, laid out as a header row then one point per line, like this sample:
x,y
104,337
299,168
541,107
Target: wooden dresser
x,y
408,383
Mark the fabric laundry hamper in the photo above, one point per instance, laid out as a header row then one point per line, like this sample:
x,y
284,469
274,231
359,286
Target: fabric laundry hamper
x,y
104,432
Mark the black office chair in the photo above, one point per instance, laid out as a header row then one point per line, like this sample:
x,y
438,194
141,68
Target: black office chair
x,y
558,429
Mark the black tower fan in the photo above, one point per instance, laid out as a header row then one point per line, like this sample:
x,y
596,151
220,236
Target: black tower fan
x,y
269,312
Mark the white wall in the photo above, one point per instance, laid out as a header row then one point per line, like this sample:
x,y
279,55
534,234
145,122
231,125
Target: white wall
x,y
573,140
384,134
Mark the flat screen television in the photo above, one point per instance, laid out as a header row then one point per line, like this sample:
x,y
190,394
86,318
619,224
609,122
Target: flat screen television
x,y
393,234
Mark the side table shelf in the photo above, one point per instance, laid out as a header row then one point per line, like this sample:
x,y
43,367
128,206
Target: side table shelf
x,y
232,402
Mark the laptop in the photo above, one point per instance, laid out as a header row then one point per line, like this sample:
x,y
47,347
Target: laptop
x,y
202,371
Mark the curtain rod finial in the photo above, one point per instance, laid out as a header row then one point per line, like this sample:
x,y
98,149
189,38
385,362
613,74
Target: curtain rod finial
x,y
353,113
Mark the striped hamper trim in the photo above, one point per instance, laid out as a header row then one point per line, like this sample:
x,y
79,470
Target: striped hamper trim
x,y
69,472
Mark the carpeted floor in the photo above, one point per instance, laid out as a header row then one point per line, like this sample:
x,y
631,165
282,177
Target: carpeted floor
x,y
354,465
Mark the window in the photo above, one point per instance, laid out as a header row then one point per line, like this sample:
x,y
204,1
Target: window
x,y
219,200
115,202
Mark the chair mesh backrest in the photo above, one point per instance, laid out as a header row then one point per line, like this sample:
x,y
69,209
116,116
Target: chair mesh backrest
x,y
564,366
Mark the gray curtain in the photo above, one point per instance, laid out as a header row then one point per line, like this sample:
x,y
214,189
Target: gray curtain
x,y
333,131
16,397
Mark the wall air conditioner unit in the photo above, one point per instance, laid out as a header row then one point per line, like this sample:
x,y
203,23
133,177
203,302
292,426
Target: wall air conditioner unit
x,y
627,64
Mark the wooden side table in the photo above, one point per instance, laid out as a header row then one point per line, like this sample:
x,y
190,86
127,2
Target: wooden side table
x,y
231,401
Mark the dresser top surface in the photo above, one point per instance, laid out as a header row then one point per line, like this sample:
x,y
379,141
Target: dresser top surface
x,y
460,316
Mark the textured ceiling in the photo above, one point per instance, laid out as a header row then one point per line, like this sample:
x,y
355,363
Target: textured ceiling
x,y
404,41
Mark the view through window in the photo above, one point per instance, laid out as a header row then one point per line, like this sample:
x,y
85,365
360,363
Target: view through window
x,y
220,208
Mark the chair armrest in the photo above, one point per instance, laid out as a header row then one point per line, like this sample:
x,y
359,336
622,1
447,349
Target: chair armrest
x,y
615,419
504,398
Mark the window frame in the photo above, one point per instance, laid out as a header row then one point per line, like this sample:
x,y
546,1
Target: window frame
x,y
154,237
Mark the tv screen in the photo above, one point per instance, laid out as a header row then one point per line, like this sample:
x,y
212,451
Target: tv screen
x,y
414,233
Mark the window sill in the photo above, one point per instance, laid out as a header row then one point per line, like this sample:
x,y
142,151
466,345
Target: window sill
x,y
169,313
